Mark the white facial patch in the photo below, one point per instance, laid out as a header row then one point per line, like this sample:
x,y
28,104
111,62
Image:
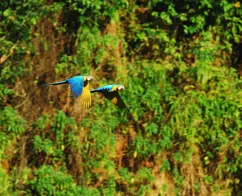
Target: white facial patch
x,y
121,88
89,78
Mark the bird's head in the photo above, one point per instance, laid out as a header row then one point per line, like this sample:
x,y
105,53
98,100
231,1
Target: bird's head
x,y
88,78
118,88
121,87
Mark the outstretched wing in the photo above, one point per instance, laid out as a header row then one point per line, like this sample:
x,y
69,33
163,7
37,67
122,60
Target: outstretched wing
x,y
115,98
102,89
77,84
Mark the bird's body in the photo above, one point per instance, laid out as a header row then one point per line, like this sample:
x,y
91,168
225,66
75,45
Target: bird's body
x,y
111,93
79,88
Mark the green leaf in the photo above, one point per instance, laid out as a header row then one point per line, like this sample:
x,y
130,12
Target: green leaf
x,y
7,12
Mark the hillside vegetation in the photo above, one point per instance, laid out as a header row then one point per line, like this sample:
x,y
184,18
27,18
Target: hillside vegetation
x,y
181,65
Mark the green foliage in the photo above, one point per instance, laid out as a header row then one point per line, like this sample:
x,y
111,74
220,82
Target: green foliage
x,y
125,175
175,60
11,127
50,181
18,21
5,183
165,165
53,142
4,92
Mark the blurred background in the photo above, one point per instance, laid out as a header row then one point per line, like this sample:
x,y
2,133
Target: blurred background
x,y
181,65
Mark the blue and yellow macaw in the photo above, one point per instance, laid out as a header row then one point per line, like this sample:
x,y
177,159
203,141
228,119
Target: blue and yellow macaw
x,y
79,87
111,93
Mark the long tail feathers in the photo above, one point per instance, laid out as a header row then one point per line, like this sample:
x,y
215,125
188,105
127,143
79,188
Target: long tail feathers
x,y
55,83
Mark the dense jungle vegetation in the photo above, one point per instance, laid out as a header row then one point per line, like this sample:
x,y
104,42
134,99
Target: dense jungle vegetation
x,y
181,65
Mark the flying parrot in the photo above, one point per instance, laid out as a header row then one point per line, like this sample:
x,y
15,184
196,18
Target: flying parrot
x,y
111,93
79,87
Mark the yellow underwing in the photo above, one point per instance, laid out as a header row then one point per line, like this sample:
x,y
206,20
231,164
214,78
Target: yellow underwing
x,y
85,98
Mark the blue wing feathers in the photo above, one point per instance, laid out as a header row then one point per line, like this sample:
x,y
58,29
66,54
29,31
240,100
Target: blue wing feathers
x,y
104,88
77,84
